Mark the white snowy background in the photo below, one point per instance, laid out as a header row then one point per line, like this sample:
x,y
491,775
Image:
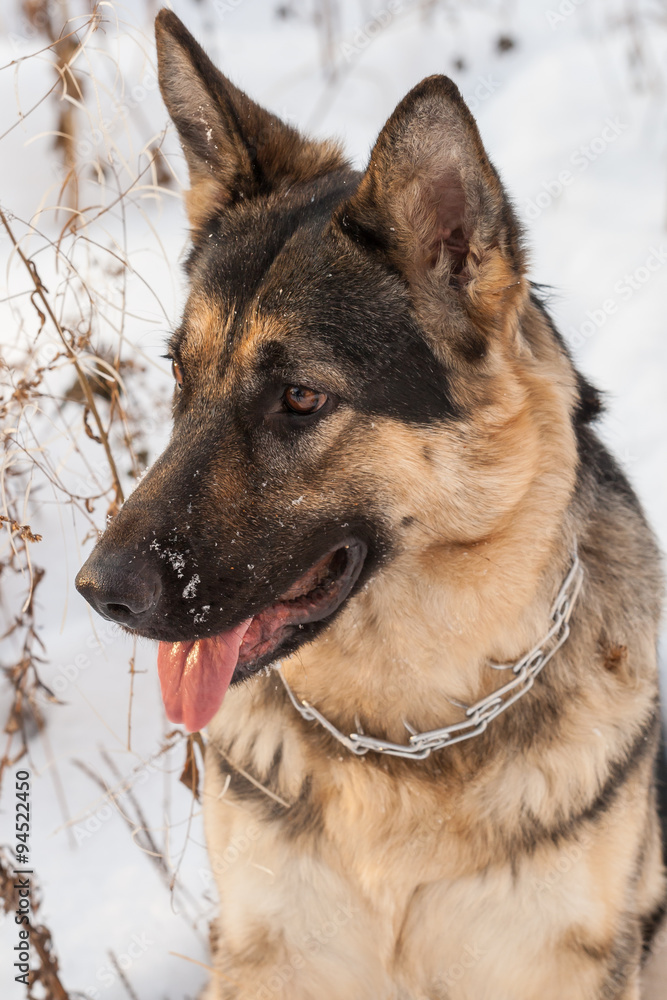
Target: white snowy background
x,y
576,87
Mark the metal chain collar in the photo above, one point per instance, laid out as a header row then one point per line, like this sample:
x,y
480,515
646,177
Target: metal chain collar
x,y
479,715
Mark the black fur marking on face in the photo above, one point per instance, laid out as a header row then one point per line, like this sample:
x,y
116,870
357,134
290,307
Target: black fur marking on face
x,y
335,304
364,236
248,235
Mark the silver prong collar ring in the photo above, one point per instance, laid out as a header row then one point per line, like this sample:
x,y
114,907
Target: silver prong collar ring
x,y
477,716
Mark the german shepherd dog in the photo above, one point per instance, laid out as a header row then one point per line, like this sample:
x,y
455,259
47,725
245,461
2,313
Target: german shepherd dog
x,y
385,523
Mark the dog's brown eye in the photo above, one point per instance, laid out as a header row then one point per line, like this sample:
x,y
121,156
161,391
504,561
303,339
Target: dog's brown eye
x,y
299,399
177,372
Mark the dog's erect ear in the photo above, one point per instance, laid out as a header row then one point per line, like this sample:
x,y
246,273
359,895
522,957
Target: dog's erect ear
x,y
234,148
431,200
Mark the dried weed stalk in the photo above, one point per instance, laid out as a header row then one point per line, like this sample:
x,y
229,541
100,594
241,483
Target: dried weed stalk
x,y
44,980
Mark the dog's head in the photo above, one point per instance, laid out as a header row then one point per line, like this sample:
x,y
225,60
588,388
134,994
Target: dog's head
x,y
359,354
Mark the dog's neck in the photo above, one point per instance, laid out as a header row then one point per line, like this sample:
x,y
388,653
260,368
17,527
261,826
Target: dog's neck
x,y
420,635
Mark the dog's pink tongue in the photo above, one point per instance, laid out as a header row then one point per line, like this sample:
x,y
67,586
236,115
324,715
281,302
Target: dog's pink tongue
x,y
194,676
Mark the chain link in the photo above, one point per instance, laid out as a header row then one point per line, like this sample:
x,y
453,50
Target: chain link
x,y
479,715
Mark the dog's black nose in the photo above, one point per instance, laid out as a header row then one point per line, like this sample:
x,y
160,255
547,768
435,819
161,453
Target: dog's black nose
x,y
121,587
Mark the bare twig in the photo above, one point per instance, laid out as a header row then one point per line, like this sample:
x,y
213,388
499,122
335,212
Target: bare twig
x,y
121,975
40,290
255,782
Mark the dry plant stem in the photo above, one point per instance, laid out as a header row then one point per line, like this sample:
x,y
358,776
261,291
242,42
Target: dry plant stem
x,y
22,117
123,978
144,826
255,782
327,13
138,825
112,792
133,671
40,936
23,676
149,846
83,381
66,47
39,52
159,856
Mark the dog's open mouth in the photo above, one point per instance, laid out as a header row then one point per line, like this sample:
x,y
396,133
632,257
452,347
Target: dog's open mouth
x,y
195,675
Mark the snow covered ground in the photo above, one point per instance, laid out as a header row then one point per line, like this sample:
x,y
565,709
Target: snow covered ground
x,y
572,107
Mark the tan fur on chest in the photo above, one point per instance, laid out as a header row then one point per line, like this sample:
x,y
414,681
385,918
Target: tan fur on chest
x,y
419,886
